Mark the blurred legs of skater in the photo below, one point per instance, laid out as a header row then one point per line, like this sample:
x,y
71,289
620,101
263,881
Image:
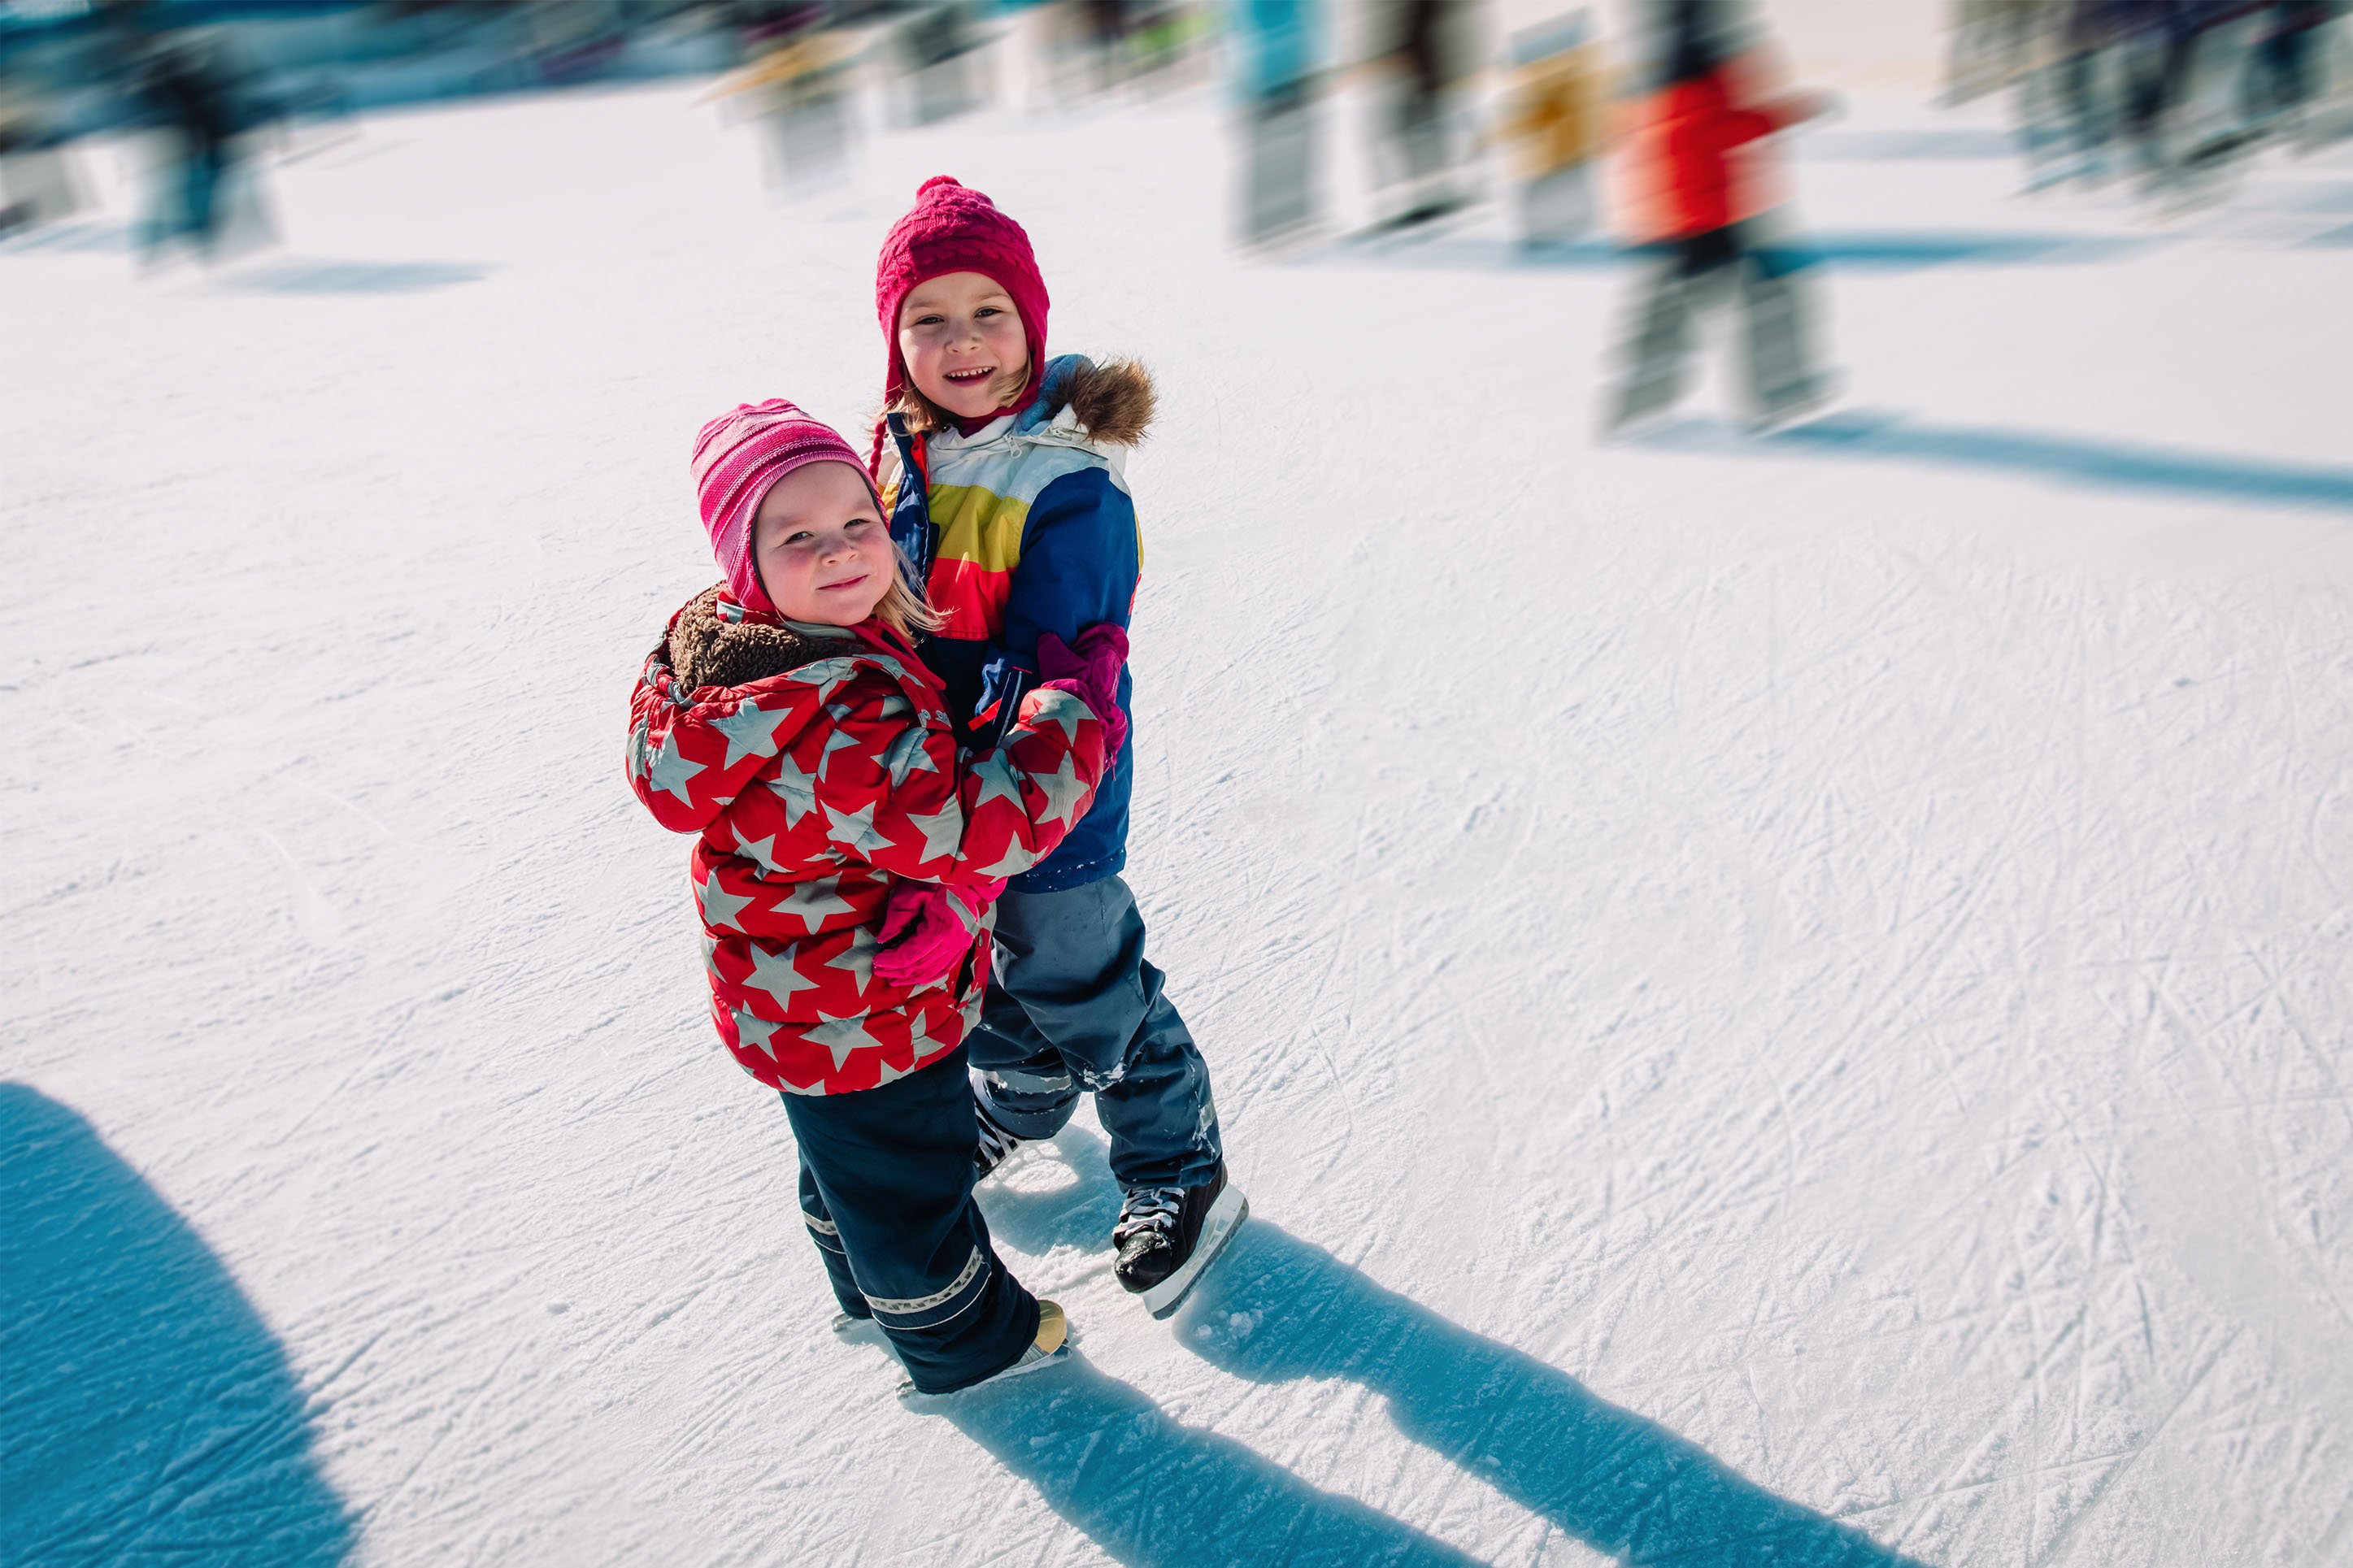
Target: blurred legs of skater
x,y
1687,278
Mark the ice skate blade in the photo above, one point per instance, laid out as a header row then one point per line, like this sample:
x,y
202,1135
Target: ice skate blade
x,y
917,1399
1226,1217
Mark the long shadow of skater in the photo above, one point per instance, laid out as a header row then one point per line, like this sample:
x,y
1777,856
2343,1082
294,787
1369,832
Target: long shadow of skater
x,y
1151,1490
1275,1309
1885,435
147,1411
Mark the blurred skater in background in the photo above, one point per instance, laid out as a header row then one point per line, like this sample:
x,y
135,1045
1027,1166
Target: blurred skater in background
x,y
203,196
2177,94
1277,46
37,182
795,83
1430,51
1701,193
1554,112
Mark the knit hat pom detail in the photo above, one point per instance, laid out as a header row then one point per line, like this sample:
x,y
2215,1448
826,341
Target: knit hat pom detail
x,y
935,181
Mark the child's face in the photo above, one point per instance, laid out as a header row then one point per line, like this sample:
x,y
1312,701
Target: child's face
x,y
963,343
821,549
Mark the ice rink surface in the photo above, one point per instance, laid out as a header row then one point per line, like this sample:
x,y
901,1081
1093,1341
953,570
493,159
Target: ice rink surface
x,y
1782,995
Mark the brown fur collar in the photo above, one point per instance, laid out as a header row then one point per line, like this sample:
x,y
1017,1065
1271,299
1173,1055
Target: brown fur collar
x,y
706,650
1114,400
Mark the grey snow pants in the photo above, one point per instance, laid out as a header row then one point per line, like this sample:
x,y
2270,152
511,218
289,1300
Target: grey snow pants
x,y
1073,1007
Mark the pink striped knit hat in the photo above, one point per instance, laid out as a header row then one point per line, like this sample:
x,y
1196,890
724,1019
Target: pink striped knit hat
x,y
738,458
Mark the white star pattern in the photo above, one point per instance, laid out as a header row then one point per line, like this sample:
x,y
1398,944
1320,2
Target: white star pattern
x,y
773,973
966,916
796,788
839,741
751,732
1060,708
1063,791
854,830
996,782
942,830
908,754
826,674
762,851
812,901
886,1073
671,770
637,751
841,1037
1016,860
720,907
751,1030
857,960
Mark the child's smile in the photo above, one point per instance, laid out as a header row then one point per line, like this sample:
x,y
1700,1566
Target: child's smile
x,y
963,343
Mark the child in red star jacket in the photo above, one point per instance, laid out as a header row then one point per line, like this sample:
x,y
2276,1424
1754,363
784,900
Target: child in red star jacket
x,y
787,722
1007,496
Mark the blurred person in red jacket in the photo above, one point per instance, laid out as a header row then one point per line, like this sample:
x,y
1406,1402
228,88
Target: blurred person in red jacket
x,y
1699,185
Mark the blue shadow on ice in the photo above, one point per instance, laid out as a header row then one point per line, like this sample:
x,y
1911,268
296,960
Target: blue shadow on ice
x,y
1274,1310
1878,435
1895,251
1150,1490
146,1412
295,275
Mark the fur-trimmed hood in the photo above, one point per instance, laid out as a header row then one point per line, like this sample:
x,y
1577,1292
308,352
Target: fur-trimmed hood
x,y
713,641
1113,402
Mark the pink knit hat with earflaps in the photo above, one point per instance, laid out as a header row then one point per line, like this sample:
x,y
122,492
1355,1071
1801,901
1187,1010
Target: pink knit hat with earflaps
x,y
953,228
738,458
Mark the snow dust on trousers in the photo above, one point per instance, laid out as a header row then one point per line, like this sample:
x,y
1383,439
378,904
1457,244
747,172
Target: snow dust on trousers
x,y
886,1190
1074,1007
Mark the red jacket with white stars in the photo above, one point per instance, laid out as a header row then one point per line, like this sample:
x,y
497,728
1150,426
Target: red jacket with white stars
x,y
817,764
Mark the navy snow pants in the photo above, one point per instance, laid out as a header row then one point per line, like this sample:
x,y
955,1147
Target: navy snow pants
x,y
886,1190
1073,1006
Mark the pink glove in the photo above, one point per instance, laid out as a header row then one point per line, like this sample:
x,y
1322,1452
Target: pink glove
x,y
1091,673
926,931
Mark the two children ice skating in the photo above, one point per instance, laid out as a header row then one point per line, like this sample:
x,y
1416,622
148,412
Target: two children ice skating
x,y
787,722
1003,470
858,803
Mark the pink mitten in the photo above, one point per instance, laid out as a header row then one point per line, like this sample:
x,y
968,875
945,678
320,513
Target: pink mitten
x,y
924,935
1090,672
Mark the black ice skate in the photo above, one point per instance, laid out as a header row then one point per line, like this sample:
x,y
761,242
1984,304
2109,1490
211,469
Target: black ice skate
x,y
1166,1235
995,1143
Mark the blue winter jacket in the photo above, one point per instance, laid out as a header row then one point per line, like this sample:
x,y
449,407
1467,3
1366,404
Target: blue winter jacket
x,y
1022,528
